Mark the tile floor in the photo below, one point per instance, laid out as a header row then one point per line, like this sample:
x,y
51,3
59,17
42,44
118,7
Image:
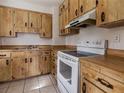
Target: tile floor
x,y
40,84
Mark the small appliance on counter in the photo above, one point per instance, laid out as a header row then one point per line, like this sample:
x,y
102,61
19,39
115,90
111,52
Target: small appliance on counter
x,y
68,65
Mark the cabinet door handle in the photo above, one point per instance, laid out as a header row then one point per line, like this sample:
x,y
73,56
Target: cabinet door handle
x,y
105,83
81,9
7,62
84,88
26,60
43,33
97,2
45,58
25,24
103,16
76,12
30,60
10,32
31,24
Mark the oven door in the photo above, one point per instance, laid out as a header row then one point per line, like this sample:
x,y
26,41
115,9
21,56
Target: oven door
x,y
67,74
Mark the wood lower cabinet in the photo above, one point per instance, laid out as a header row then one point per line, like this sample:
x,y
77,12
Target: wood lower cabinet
x,y
88,87
46,26
20,20
6,22
33,66
18,68
5,70
45,60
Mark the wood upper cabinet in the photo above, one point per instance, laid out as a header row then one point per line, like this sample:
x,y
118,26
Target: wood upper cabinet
x,y
6,22
109,15
20,20
35,21
46,26
5,70
86,5
73,10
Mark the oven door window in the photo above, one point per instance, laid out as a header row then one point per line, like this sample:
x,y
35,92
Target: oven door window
x,y
66,71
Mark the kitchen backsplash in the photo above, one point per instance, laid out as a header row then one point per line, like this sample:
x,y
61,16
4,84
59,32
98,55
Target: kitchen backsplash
x,y
95,33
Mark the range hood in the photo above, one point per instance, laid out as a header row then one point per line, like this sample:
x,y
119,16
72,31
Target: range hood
x,y
87,19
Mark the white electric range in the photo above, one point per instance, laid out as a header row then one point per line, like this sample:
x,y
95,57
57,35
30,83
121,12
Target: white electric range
x,y
68,65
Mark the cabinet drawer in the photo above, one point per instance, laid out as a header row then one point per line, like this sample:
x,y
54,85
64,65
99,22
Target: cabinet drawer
x,y
18,54
89,74
5,54
109,85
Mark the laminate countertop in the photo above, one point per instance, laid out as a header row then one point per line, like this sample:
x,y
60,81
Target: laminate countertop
x,y
111,63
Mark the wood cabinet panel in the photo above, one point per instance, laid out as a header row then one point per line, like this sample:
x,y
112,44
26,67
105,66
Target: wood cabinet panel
x,y
5,70
18,68
46,26
73,9
20,20
6,22
33,66
88,87
34,21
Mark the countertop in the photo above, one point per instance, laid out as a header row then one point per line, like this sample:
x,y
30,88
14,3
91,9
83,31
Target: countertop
x,y
111,62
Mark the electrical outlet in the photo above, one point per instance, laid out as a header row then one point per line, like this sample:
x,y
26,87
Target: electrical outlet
x,y
116,38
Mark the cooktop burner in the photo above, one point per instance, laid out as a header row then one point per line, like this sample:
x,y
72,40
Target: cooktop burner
x,y
79,53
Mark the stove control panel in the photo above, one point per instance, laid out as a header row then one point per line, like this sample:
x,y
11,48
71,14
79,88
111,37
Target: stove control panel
x,y
93,43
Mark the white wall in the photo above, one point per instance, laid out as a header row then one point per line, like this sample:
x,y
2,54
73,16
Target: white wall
x,y
33,39
95,33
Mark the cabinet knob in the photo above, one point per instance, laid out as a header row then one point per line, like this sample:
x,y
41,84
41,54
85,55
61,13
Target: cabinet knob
x,y
81,9
31,24
26,60
76,12
25,24
10,32
30,60
43,33
97,2
84,87
102,17
45,58
7,62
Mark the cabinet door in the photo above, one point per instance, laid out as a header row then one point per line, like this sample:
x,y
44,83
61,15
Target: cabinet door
x,y
102,12
6,22
20,21
19,68
120,9
112,10
34,21
46,26
46,64
73,9
33,66
89,5
5,70
87,87
81,7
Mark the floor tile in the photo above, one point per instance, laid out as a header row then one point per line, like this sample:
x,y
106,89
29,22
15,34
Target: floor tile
x,y
45,83
33,91
17,83
29,86
49,89
3,90
18,89
4,85
43,77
